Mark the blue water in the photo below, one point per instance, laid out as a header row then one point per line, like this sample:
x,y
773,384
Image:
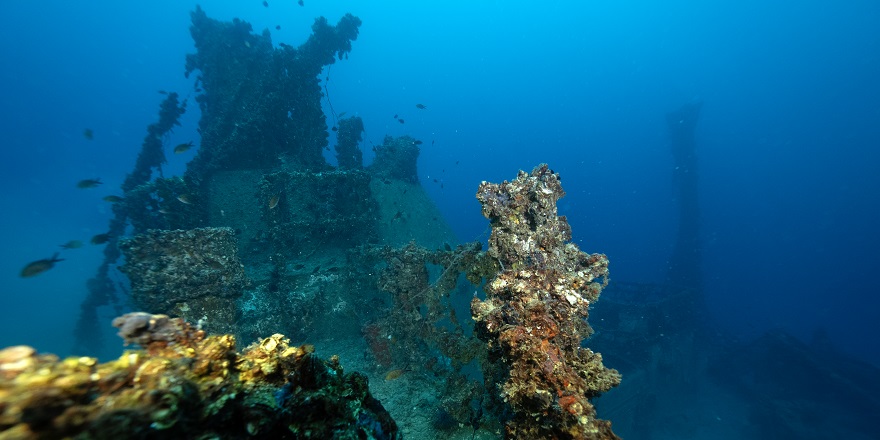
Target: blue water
x,y
788,141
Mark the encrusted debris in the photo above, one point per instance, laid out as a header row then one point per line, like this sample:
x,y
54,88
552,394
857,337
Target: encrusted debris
x,y
193,273
534,315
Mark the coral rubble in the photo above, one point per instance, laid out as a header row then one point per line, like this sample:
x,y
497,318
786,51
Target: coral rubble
x,y
192,273
534,314
184,384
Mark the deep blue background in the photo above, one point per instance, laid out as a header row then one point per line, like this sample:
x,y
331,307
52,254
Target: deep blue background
x,y
788,139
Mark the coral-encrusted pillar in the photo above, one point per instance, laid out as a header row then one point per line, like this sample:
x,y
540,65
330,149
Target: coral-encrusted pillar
x,y
534,315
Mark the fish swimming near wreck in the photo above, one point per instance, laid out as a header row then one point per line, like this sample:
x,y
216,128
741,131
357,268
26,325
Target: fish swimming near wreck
x,y
37,267
112,199
72,244
100,239
182,148
88,183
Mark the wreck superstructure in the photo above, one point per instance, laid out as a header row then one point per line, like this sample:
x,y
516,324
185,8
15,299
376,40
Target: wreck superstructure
x,y
262,236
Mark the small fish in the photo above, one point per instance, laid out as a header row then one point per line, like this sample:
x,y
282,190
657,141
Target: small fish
x,y
113,199
37,267
432,142
100,239
88,183
265,3
72,244
334,128
278,27
162,92
300,2
273,202
417,142
88,134
395,374
341,115
420,106
183,147
400,120
212,263
186,199
395,116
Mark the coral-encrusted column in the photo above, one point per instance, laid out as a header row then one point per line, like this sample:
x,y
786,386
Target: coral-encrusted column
x,y
534,315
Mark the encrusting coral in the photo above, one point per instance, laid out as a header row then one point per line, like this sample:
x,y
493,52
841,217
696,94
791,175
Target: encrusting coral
x,y
184,384
534,315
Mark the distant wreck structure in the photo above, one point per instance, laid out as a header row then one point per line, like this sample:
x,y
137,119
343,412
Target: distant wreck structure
x,y
685,265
